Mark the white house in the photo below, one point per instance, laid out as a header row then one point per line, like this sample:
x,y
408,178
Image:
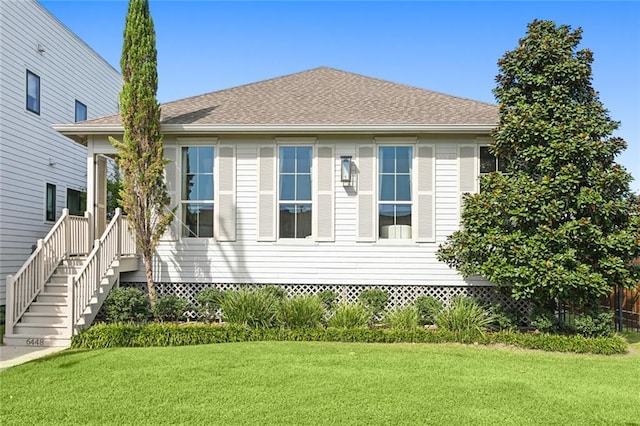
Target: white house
x,y
320,180
316,180
47,75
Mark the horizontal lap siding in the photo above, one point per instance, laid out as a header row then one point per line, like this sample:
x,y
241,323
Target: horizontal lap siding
x,y
306,262
68,70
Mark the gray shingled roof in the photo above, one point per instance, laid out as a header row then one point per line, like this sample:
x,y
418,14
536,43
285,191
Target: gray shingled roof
x,y
322,96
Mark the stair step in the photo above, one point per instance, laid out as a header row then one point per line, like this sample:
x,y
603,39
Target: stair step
x,y
43,318
52,297
48,307
41,329
57,278
55,287
36,341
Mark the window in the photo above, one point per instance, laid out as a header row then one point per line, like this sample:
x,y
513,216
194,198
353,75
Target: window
x,y
197,191
489,162
294,191
50,204
394,192
33,92
76,202
81,111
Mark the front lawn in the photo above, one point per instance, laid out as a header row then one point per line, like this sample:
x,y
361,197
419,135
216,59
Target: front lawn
x,y
322,383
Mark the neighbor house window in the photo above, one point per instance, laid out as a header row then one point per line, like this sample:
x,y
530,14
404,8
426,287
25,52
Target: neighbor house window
x,y
197,191
50,203
294,191
489,162
33,92
394,192
76,202
81,111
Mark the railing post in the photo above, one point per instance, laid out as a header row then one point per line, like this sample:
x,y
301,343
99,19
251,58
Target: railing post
x,y
44,261
119,234
90,227
71,303
97,268
9,320
66,232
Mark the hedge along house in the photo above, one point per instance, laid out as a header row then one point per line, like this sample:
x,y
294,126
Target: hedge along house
x,y
318,180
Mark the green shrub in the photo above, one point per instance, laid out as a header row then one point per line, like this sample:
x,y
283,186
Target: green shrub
x,y
464,317
167,334
127,304
350,316
375,300
544,320
300,312
278,292
170,308
403,319
250,308
594,324
329,299
428,307
504,318
209,303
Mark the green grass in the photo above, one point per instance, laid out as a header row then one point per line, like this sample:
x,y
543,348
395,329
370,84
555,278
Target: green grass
x,y
270,383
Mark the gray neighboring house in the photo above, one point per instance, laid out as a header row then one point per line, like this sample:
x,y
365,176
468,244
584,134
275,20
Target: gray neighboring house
x,y
47,75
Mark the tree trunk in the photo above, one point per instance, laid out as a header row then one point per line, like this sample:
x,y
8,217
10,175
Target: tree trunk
x,y
151,287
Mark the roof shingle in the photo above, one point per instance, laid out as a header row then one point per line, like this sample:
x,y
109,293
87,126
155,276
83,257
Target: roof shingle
x,y
322,96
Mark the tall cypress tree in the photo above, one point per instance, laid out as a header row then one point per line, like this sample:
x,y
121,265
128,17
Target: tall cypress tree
x,y
562,223
141,157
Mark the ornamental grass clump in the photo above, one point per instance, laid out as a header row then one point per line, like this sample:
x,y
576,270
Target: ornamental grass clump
x,y
350,316
428,307
209,304
300,312
257,308
465,318
403,319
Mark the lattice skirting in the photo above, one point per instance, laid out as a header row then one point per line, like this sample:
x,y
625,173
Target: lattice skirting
x,y
399,295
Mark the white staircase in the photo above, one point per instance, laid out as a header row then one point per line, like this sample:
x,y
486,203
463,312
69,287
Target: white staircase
x,y
60,289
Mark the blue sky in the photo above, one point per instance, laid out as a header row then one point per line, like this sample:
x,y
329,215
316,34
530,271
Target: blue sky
x,y
449,47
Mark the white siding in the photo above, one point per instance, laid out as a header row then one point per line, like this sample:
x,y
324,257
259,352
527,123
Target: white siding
x,y
31,153
343,261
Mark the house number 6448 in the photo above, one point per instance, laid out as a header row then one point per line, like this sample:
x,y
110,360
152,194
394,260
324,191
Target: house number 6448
x,y
35,342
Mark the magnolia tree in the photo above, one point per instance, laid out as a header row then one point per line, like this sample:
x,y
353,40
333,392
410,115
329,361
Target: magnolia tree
x,y
561,224
140,153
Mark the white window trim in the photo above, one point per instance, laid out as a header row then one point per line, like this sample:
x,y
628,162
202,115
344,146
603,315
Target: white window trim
x,y
186,143
297,142
395,141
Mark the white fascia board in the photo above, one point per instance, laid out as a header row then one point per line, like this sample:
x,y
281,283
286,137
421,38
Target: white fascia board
x,y
85,130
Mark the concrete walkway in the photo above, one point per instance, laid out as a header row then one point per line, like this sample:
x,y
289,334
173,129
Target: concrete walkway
x,y
14,355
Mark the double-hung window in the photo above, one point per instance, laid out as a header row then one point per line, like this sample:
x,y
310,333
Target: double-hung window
x,y
294,191
81,111
394,192
197,191
489,162
33,92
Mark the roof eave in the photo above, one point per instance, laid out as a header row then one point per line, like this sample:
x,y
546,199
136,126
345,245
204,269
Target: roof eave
x,y
80,132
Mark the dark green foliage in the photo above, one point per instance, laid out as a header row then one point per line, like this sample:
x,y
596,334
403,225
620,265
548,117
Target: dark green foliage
x,y
504,318
428,307
464,317
209,303
300,312
126,304
562,223
170,308
375,300
350,316
545,320
166,334
250,308
329,299
594,324
114,188
140,153
403,319
277,291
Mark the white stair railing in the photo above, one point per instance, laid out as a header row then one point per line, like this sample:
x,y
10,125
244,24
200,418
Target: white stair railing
x,y
117,241
69,236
